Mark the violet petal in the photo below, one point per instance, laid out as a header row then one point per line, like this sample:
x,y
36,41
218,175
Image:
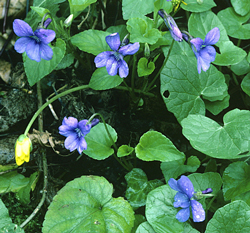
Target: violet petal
x,y
45,35
123,69
85,129
82,145
173,185
183,215
21,28
181,200
212,36
186,186
102,58
71,142
112,66
21,44
197,211
46,51
33,51
129,49
197,43
113,41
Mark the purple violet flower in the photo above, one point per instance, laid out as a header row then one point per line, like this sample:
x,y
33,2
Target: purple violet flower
x,y
35,44
75,132
204,52
184,198
113,60
172,26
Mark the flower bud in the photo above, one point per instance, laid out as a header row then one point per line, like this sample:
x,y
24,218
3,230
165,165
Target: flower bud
x,y
68,21
47,22
172,26
22,149
146,50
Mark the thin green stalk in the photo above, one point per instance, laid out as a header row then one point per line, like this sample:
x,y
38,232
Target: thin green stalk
x,y
164,63
51,101
133,74
123,162
45,184
127,88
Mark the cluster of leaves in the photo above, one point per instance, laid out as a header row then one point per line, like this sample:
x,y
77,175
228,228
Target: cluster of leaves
x,y
221,148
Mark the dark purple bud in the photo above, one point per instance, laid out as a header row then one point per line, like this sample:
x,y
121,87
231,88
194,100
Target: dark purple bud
x,y
185,36
94,122
172,26
208,190
47,22
125,41
161,13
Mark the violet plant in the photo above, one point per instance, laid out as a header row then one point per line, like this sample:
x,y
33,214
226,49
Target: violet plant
x,y
171,64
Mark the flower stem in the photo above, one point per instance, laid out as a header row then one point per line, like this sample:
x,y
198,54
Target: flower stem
x,y
51,101
124,163
164,63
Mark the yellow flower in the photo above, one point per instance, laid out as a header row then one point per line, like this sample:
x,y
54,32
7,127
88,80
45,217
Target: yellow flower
x,y
176,3
22,149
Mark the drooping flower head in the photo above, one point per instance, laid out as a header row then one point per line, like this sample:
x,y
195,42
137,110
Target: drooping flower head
x,y
113,60
35,44
185,199
204,52
75,132
22,149
172,26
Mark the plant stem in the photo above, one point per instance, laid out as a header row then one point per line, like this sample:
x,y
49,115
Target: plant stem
x,y
123,163
45,183
51,101
164,63
127,88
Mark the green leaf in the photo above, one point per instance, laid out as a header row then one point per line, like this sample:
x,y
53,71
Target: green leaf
x,y
4,215
161,213
11,228
138,220
243,197
202,132
155,146
78,6
234,23
245,84
131,8
159,4
216,107
12,182
51,6
124,150
202,181
144,67
243,67
195,6
40,11
173,169
6,224
35,71
101,80
142,30
86,204
24,193
65,62
139,187
185,86
233,217
241,7
236,180
145,228
99,143
200,24
91,41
